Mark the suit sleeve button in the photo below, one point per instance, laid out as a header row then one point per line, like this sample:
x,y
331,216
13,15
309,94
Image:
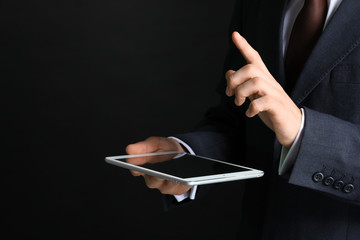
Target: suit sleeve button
x,y
348,188
329,181
338,184
318,177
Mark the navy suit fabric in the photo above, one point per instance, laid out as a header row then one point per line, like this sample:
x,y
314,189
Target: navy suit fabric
x,y
309,202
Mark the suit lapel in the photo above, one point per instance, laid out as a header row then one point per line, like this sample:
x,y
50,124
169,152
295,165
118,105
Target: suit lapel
x,y
339,38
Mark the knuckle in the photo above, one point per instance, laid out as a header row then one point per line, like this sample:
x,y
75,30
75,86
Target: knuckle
x,y
163,191
249,68
177,192
239,100
259,104
151,139
256,53
267,100
228,73
231,78
134,173
257,82
151,182
255,106
231,83
178,189
150,185
169,188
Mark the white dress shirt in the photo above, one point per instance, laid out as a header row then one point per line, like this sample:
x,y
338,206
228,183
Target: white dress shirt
x,y
288,156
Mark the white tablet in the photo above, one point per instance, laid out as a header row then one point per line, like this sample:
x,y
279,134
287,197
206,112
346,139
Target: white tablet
x,y
184,168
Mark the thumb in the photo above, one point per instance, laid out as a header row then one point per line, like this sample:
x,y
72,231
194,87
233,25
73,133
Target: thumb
x,y
149,145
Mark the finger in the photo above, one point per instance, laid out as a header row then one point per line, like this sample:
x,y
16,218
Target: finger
x,y
228,90
172,188
251,89
153,182
258,105
234,79
148,146
164,186
136,173
250,54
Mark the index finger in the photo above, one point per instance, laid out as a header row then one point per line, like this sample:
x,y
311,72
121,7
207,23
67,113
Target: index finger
x,y
251,55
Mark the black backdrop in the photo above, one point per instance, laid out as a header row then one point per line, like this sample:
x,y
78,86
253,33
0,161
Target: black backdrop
x,y
82,79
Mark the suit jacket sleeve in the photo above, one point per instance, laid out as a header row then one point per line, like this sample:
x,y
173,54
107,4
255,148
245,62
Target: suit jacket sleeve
x,y
328,158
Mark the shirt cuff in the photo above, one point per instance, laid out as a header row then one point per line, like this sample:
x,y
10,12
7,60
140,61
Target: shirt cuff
x,y
187,147
189,194
192,192
288,156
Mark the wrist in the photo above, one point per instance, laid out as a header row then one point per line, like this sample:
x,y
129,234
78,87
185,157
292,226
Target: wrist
x,y
297,129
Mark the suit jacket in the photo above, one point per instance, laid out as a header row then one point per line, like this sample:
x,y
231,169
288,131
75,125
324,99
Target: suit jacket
x,y
320,197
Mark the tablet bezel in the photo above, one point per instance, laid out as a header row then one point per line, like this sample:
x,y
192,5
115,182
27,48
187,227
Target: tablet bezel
x,y
193,181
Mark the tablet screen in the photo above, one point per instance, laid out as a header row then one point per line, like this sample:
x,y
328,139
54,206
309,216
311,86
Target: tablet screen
x,y
188,166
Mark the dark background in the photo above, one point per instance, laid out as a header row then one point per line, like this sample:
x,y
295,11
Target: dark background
x,y
82,79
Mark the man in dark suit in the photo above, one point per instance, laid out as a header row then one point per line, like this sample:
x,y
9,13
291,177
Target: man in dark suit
x,y
306,138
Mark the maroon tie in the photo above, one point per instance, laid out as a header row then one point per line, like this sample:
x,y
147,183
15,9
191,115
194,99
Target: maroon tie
x,y
307,29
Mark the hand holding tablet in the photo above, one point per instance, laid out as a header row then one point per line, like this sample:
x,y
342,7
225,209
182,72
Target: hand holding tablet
x,y
184,168
152,145
167,168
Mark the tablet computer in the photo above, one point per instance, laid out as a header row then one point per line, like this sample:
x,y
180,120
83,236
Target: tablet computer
x,y
184,168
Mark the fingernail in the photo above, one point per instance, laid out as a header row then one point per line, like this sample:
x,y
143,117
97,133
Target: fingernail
x,y
236,102
238,34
